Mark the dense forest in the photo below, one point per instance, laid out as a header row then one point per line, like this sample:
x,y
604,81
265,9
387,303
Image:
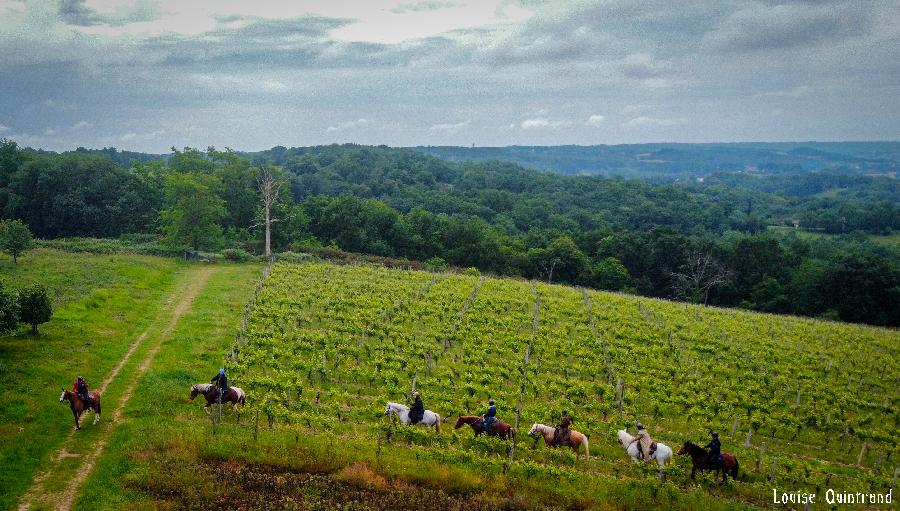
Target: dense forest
x,y
702,242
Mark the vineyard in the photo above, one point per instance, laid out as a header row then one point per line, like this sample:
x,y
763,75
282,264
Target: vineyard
x,y
803,404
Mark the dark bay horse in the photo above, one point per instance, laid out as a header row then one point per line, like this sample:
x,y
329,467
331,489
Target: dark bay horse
x,y
698,458
498,427
235,395
77,404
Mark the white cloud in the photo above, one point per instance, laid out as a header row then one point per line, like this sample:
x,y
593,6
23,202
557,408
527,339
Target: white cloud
x,y
449,129
595,120
49,132
274,86
359,123
128,136
543,122
653,122
81,125
4,129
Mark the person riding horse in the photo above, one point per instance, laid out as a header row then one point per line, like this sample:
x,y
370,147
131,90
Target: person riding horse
x,y
714,456
490,416
561,433
417,411
221,381
644,442
80,387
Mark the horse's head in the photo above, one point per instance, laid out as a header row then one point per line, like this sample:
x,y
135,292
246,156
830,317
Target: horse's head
x,y
194,392
534,429
388,409
624,437
64,396
687,448
459,423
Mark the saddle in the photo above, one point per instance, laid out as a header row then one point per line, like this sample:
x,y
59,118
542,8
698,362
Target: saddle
x,y
716,461
652,450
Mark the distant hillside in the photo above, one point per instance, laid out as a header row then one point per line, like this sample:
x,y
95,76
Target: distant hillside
x,y
681,161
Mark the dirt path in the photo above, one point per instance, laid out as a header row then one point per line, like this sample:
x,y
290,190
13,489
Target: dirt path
x,y
65,499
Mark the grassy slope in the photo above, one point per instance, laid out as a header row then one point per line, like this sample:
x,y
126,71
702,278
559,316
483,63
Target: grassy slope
x,y
100,304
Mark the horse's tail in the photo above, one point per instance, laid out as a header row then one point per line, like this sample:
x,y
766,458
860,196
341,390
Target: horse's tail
x,y
512,433
734,470
242,399
437,423
587,446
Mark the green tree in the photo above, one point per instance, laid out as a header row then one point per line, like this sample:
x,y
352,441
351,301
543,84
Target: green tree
x,y
34,307
15,238
194,213
9,310
611,274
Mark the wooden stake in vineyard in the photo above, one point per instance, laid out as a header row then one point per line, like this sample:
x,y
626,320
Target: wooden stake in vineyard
x,y
524,384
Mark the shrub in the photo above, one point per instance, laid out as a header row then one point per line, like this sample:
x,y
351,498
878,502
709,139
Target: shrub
x,y
236,254
9,310
34,307
472,272
294,257
435,264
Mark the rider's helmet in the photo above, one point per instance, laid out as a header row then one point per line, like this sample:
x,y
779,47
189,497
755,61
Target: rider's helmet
x,y
491,402
221,370
81,378
639,425
565,412
715,434
416,394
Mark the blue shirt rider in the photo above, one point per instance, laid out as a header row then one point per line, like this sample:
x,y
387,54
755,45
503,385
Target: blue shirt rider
x,y
221,381
490,416
715,451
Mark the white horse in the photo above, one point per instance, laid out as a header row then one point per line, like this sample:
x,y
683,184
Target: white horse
x,y
662,454
430,418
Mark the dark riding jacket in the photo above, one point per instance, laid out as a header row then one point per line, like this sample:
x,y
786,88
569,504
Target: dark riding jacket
x,y
222,381
715,448
417,412
491,412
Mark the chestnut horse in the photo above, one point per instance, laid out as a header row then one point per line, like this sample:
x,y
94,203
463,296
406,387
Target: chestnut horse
x,y
77,404
498,427
698,454
576,438
235,395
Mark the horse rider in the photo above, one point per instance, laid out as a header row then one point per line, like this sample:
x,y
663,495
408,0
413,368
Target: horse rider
x,y
715,451
417,411
490,416
221,381
80,387
644,442
561,433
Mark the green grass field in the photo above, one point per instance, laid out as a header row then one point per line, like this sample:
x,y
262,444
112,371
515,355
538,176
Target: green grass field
x,y
326,346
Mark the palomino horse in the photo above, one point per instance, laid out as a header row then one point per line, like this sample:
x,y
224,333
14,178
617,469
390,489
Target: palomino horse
x,y
576,438
498,428
430,418
77,404
235,395
698,459
662,454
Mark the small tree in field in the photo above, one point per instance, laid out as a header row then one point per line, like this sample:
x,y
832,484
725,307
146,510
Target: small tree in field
x,y
15,238
9,311
34,307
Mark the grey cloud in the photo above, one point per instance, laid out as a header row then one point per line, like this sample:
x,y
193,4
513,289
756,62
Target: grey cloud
x,y
77,13
422,6
761,27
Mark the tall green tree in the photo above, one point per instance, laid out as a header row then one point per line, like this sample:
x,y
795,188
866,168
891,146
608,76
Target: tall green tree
x,y
195,211
15,238
34,307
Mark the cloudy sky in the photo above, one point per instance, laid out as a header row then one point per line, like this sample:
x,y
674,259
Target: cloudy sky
x,y
150,74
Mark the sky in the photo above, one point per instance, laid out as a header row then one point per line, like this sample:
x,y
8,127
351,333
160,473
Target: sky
x,y
147,75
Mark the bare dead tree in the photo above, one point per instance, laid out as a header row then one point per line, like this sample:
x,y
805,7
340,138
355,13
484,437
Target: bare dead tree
x,y
699,275
268,193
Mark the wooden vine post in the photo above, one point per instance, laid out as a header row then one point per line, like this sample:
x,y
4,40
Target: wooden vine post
x,y
524,385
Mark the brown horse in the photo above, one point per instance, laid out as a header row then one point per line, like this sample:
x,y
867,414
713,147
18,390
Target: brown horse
x,y
698,454
498,427
235,395
77,404
576,438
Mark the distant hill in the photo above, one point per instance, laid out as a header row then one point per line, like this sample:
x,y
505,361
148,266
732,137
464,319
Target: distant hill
x,y
683,161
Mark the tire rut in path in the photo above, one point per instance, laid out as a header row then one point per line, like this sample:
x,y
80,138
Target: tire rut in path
x,y
65,500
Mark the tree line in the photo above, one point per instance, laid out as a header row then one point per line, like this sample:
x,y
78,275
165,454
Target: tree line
x,y
706,245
